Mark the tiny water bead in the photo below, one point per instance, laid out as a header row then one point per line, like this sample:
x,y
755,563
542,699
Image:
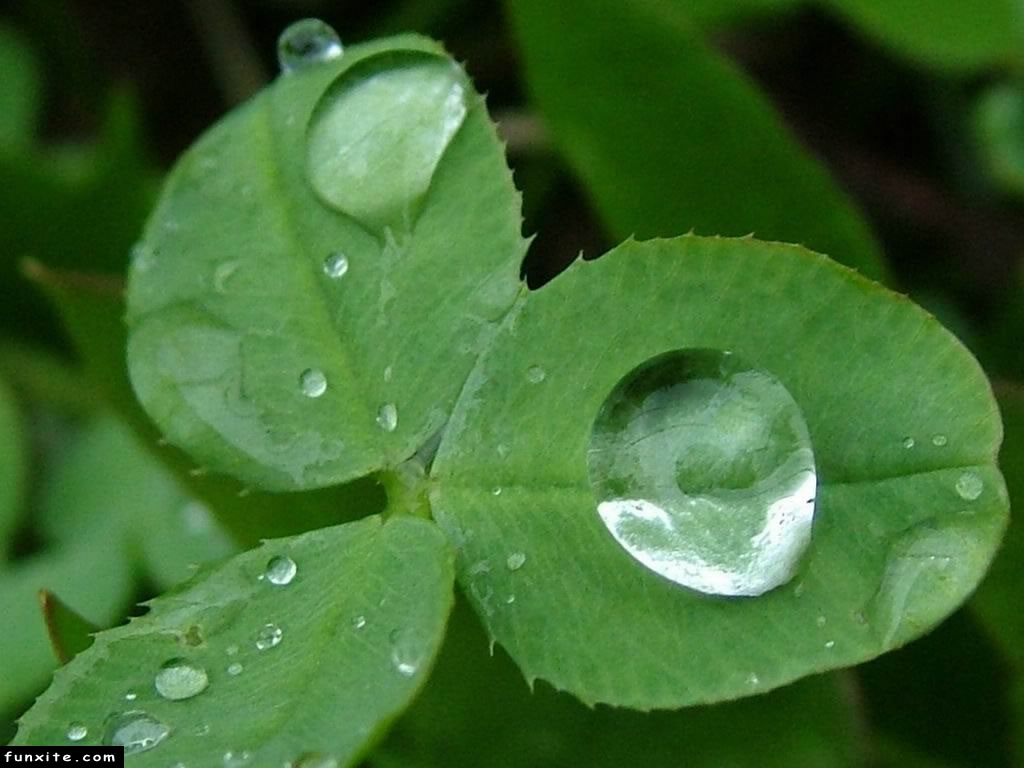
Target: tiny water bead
x,y
909,442
235,669
387,417
269,636
703,471
314,760
234,759
939,441
359,622
515,561
136,731
535,374
306,43
77,731
180,679
313,382
379,131
280,570
969,486
336,265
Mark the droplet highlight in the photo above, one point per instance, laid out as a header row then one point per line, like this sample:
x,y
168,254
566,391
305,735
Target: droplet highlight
x,y
969,486
269,636
387,417
280,570
909,442
180,679
359,622
379,131
515,561
314,760
939,441
336,265
703,471
77,731
136,731
313,382
307,43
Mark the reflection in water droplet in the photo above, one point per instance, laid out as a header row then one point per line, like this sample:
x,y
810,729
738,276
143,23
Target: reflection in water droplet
x,y
830,644
136,731
387,417
180,679
909,442
336,265
403,656
313,382
280,570
306,43
939,440
235,669
703,471
77,731
496,490
535,374
359,622
268,636
379,131
969,486
236,759
515,561
131,696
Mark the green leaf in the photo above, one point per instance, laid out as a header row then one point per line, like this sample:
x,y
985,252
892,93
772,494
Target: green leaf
x,y
359,622
19,91
964,35
70,634
895,545
477,704
999,134
284,341
12,467
669,137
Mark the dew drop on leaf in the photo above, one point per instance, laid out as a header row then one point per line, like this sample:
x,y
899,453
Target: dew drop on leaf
x,y
136,731
703,471
280,570
379,131
969,486
268,636
306,43
313,382
179,678
359,621
515,561
314,760
909,442
535,374
387,417
131,696
235,669
336,265
235,759
77,731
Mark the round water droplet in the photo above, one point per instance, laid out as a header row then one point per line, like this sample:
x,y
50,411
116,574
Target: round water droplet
x,y
314,760
313,382
77,731
830,644
234,759
515,561
535,374
388,373
280,570
939,441
359,622
969,486
223,273
180,679
136,731
379,131
235,669
268,636
336,265
753,679
306,43
909,442
387,417
703,471
496,491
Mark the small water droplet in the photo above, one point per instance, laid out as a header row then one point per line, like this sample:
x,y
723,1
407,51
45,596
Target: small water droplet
x,y
510,599
753,679
179,678
136,731
388,373
379,131
359,622
829,644
313,382
909,442
314,760
231,650
969,486
280,570
336,265
535,374
235,759
306,43
821,621
703,470
235,669
939,441
515,561
77,731
405,668
268,636
503,450
387,417
223,273
496,491
131,696
480,566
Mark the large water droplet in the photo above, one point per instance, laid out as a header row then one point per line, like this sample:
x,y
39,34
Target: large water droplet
x,y
387,417
315,760
379,131
313,382
969,486
280,570
939,440
336,265
306,43
268,636
703,471
136,731
77,731
180,679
